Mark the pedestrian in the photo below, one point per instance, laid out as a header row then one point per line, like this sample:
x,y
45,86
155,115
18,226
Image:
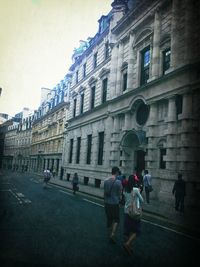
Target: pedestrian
x,y
136,179
132,224
112,194
75,183
47,177
179,191
147,185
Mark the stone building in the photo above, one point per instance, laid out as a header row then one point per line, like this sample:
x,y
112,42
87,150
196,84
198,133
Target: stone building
x,y
47,130
134,96
17,141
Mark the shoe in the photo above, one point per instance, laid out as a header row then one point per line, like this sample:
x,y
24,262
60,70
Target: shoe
x,y
127,249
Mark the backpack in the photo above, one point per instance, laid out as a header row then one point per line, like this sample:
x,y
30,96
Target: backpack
x,y
133,211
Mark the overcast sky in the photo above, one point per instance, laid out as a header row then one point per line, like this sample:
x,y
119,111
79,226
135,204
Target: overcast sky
x,y
37,38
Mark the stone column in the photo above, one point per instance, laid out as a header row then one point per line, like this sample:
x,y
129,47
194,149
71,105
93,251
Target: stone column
x,y
119,66
109,127
152,114
95,147
116,124
189,33
174,34
171,109
131,59
127,121
187,106
113,71
156,47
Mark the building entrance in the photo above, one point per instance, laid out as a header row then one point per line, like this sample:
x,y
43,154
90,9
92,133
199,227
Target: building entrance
x,y
132,153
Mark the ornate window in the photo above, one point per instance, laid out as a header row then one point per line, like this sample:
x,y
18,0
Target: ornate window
x,y
106,50
78,150
104,89
166,59
71,150
89,148
142,114
93,89
84,70
74,107
145,65
101,146
95,60
81,103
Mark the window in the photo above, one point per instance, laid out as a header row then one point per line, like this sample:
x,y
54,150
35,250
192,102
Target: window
x,y
162,162
101,146
74,108
84,70
77,76
89,149
78,150
124,81
71,150
145,63
106,50
104,90
82,103
166,59
92,97
95,60
142,114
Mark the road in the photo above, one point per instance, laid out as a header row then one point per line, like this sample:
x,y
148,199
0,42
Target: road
x,y
52,227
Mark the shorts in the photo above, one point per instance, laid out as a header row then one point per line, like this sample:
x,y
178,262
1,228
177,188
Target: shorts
x,y
112,214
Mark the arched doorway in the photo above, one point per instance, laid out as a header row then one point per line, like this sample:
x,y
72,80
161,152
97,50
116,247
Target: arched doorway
x,y
133,151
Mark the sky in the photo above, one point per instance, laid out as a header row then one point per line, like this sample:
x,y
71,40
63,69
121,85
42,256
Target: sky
x,y
37,39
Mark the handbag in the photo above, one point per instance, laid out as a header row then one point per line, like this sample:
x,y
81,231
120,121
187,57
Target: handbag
x,y
150,188
134,211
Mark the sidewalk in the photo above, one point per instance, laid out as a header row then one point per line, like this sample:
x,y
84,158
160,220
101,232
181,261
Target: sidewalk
x,y
188,221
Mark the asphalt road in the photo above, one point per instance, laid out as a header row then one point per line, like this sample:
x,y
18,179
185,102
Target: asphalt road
x,y
52,227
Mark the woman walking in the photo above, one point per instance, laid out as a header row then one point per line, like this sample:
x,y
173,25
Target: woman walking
x,y
132,214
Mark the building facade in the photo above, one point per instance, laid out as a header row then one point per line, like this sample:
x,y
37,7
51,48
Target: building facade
x,y
17,141
47,131
134,95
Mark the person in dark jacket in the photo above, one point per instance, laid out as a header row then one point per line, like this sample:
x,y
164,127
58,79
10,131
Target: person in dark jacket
x,y
75,183
179,192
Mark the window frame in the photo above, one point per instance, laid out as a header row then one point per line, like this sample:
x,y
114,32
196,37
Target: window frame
x,y
78,150
100,148
144,77
164,62
89,149
104,90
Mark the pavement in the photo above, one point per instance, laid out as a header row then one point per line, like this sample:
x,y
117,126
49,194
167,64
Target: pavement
x,y
187,222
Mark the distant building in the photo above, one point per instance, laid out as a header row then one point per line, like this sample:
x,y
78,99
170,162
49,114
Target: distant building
x,y
48,129
17,141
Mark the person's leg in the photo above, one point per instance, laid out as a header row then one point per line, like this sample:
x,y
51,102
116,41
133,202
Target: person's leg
x,y
182,204
147,194
177,202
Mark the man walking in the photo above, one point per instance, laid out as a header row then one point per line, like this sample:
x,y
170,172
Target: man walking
x,y
147,185
179,192
112,194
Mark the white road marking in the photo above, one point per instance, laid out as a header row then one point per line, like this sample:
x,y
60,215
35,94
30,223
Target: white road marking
x,y
171,230
155,224
27,201
20,194
93,202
